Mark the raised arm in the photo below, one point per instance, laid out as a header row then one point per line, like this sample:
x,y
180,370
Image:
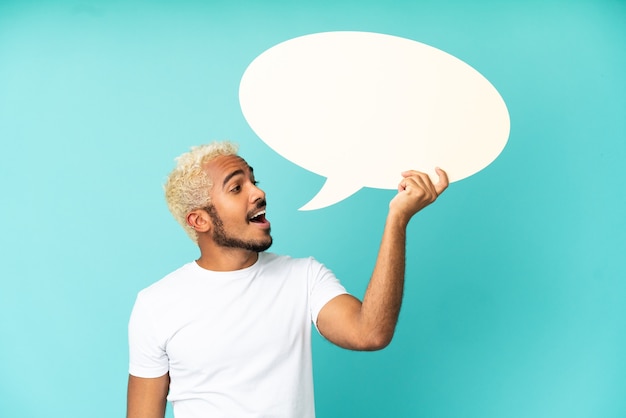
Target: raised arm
x,y
369,325
147,397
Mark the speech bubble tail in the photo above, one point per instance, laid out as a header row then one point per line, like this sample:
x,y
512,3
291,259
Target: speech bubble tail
x,y
331,192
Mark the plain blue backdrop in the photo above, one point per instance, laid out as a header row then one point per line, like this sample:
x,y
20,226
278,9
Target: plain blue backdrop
x,y
515,302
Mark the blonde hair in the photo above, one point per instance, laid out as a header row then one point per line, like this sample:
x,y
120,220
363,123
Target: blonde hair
x,y
188,185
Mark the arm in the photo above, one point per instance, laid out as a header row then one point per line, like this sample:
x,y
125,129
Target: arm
x,y
369,325
147,397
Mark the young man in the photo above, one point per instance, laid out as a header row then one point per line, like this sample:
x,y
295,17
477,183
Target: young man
x,y
228,335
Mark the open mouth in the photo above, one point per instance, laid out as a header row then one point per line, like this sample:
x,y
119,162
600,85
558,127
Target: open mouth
x,y
258,217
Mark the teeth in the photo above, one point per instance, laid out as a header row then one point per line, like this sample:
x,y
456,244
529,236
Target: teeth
x,y
258,214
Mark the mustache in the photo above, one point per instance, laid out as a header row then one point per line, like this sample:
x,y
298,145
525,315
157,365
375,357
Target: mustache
x,y
259,205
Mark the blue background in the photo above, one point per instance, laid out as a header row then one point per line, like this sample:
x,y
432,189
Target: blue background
x,y
515,302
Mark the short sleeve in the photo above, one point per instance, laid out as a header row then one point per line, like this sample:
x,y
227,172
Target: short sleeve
x,y
146,353
323,286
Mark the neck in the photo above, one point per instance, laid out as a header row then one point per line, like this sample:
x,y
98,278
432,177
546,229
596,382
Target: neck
x,y
226,259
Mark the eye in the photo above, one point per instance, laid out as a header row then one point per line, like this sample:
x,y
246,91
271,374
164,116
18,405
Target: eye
x,y
235,189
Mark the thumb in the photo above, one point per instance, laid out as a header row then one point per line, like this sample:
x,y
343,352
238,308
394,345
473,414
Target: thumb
x,y
443,182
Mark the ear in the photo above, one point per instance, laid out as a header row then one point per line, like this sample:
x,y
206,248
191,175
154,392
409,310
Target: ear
x,y
199,220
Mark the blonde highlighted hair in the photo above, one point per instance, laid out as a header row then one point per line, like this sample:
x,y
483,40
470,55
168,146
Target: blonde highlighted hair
x,y
188,185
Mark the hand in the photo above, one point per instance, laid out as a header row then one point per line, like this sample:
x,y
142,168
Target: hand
x,y
416,191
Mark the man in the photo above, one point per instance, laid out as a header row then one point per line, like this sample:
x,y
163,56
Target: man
x,y
228,335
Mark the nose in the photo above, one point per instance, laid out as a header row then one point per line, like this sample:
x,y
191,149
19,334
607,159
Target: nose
x,y
256,194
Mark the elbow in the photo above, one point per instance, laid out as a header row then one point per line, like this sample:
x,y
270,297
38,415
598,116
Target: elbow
x,y
376,341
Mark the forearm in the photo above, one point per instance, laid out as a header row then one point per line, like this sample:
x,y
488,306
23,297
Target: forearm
x,y
383,297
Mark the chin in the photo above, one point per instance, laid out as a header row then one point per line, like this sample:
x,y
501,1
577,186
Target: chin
x,y
265,246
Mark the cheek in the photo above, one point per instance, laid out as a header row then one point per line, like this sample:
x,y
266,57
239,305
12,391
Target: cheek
x,y
231,212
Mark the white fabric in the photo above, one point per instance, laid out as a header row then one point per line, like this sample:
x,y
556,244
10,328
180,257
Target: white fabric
x,y
236,344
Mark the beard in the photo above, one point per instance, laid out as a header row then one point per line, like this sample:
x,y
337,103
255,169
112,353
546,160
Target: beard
x,y
222,238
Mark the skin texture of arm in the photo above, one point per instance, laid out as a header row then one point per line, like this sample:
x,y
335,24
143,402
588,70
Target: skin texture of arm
x,y
147,397
370,325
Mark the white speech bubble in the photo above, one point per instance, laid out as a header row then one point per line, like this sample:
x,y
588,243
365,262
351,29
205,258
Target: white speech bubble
x,y
360,107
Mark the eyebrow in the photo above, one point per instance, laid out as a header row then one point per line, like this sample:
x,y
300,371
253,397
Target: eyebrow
x,y
235,173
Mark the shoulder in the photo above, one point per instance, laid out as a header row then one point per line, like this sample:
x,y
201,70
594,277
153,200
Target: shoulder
x,y
285,265
170,282
278,260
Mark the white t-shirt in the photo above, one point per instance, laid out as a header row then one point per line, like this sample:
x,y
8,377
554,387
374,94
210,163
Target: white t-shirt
x,y
237,343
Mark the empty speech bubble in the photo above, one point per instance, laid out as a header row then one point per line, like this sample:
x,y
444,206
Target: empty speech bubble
x,y
359,108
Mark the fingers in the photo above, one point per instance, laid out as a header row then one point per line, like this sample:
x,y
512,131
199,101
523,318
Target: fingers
x,y
424,180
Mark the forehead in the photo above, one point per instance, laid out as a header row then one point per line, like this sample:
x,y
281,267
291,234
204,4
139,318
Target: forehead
x,y
224,167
